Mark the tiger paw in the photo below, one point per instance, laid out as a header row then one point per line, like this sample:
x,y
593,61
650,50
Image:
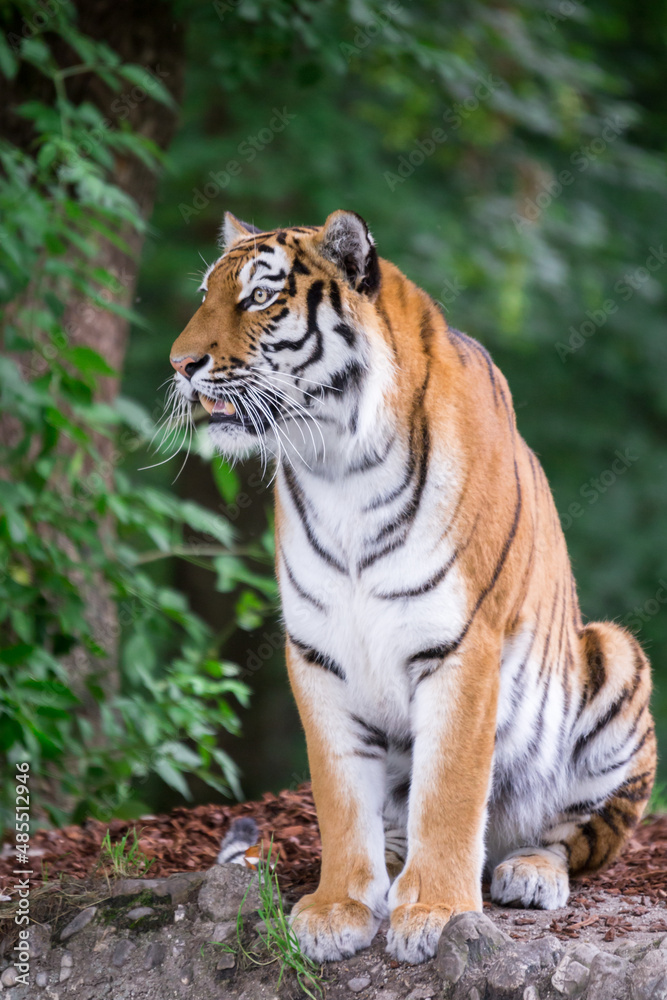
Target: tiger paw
x,y
537,880
415,930
328,932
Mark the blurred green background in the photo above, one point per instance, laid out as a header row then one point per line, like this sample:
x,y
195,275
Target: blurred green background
x,y
510,160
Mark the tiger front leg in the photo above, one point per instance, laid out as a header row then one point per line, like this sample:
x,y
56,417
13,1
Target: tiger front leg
x,y
454,716
348,778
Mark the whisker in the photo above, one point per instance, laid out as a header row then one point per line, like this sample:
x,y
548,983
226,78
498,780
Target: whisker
x,y
302,413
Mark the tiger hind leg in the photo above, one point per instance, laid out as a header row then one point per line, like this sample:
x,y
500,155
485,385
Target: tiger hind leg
x,y
614,735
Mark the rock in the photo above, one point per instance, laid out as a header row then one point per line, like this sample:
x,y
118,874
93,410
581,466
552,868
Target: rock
x,y
649,979
122,952
179,886
186,975
67,961
140,911
507,974
179,914
224,931
226,961
632,950
134,886
65,973
571,977
468,938
359,983
41,979
583,952
530,993
155,955
39,936
609,974
179,890
9,976
421,993
80,921
223,891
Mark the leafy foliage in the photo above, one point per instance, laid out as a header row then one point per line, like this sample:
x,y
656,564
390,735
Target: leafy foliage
x,y
72,524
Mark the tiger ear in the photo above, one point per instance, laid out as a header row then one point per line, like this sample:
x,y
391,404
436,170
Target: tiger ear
x,y
234,230
346,241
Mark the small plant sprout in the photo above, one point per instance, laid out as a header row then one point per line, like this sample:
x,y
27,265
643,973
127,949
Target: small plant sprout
x,y
277,936
123,859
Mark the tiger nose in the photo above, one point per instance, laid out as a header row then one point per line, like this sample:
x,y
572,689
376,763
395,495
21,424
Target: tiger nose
x,y
188,366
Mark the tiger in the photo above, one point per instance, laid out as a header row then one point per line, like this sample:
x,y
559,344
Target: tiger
x,y
461,720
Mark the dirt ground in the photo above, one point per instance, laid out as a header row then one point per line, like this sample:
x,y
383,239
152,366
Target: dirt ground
x,y
621,911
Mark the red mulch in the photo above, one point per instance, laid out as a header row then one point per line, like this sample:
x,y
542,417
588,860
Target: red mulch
x,y
189,839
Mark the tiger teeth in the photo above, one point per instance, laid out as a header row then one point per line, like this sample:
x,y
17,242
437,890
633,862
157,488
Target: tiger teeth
x,y
217,405
207,403
224,406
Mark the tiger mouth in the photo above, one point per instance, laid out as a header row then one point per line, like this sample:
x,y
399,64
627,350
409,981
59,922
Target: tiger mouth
x,y
224,407
223,411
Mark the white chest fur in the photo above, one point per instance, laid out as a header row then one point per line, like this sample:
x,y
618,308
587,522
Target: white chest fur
x,y
344,557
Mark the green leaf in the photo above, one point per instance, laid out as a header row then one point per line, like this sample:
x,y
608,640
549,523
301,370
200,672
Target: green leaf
x,y
88,361
148,82
8,61
171,776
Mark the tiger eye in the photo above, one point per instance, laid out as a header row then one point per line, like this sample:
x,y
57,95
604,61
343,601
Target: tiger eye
x,y
260,295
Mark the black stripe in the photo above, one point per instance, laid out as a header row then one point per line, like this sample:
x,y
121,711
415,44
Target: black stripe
x,y
497,571
299,267
372,460
273,277
461,352
318,659
334,296
406,517
401,791
313,299
437,653
297,586
297,500
595,659
545,652
347,333
372,736
434,580
288,345
602,723
481,352
387,322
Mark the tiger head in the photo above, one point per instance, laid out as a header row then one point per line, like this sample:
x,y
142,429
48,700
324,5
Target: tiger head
x,y
287,331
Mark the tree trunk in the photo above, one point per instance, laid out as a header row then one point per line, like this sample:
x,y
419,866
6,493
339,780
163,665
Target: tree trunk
x,y
145,34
